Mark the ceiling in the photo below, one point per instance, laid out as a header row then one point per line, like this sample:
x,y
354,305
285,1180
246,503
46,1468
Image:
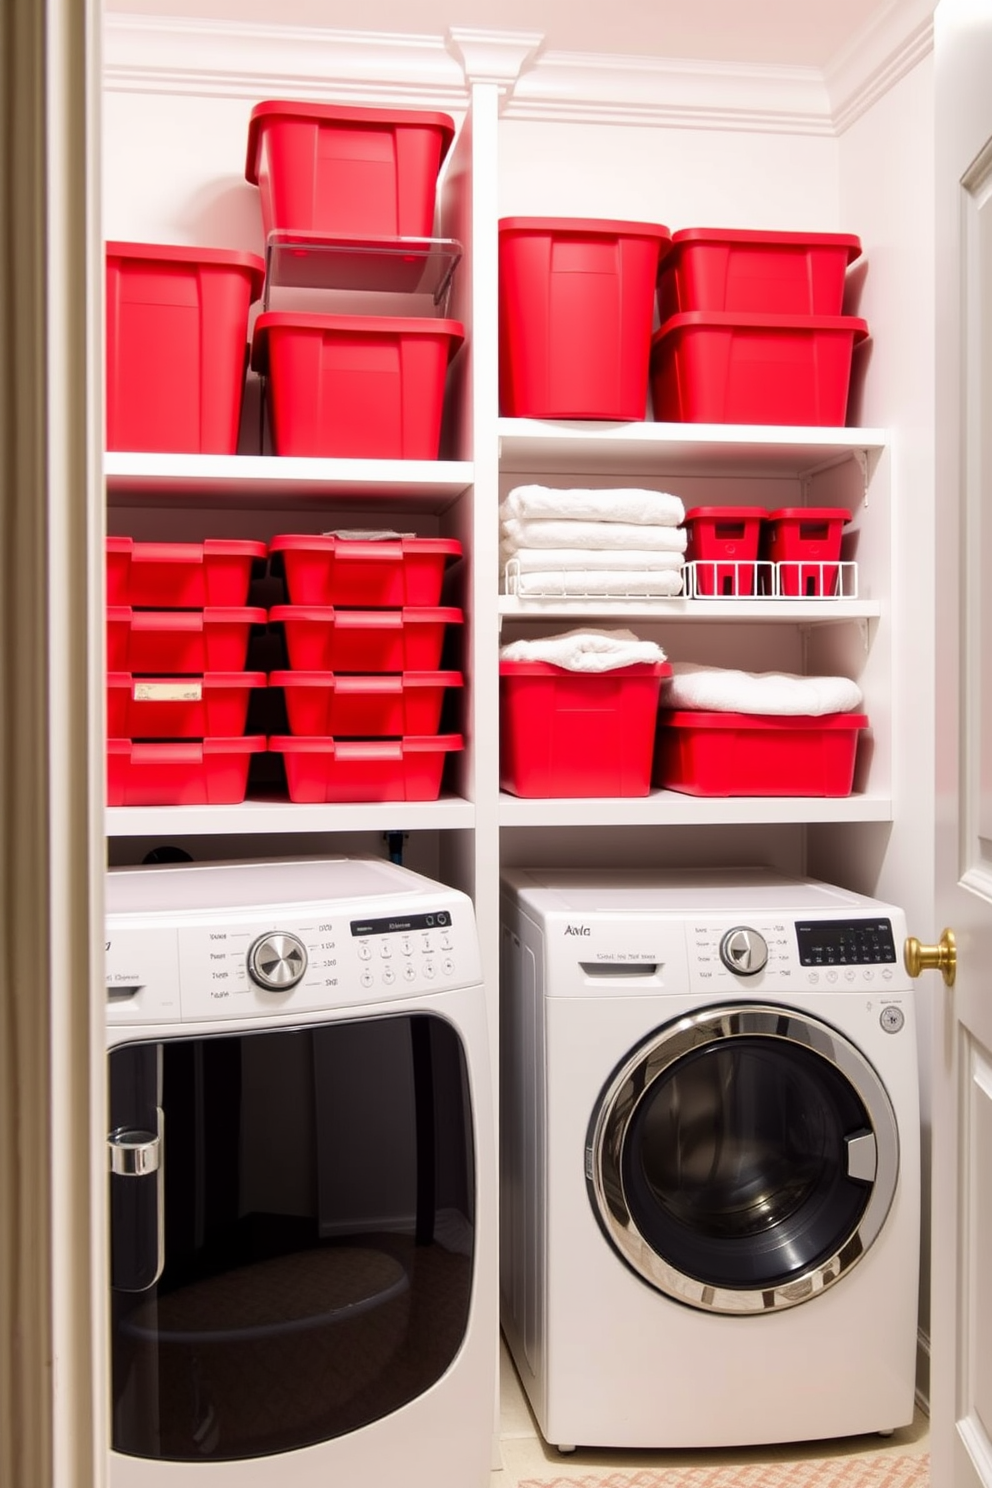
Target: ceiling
x,y
802,33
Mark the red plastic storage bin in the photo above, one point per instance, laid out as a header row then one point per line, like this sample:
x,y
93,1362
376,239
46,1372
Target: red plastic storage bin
x,y
330,169
177,333
212,640
776,273
753,369
318,703
215,704
408,769
394,573
320,638
203,772
167,575
805,542
576,301
565,733
355,386
750,754
724,542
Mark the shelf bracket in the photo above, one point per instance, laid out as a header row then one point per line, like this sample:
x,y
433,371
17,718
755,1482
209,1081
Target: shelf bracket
x,y
865,635
862,458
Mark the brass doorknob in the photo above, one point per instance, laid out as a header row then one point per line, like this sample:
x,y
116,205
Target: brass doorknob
x,y
942,957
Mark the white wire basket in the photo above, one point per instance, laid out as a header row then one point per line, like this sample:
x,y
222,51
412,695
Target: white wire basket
x,y
799,579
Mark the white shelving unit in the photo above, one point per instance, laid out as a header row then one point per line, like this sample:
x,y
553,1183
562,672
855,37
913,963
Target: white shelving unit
x,y
474,826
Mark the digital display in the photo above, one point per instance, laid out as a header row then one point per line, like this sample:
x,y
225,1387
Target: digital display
x,y
394,924
845,942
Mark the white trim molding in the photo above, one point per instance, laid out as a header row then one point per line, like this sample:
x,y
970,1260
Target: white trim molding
x,y
176,55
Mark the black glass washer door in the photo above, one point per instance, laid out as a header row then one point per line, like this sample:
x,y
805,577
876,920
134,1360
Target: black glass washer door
x,y
743,1159
297,1262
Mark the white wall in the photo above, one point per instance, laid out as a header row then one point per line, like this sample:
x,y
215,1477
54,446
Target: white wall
x,y
887,188
679,177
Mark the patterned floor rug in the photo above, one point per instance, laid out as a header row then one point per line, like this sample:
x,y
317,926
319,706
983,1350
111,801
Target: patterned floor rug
x,y
883,1471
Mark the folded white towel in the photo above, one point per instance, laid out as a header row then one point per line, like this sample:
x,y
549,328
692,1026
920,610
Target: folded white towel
x,y
603,535
723,690
627,559
620,504
578,583
585,650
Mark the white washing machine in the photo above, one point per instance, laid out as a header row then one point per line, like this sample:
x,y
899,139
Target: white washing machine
x,y
710,1189
302,1178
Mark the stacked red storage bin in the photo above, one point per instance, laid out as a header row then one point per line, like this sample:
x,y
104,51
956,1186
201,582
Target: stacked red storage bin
x,y
752,329
575,308
351,386
177,334
178,629
364,634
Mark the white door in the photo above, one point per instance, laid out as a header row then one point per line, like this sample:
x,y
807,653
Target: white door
x,y
961,1326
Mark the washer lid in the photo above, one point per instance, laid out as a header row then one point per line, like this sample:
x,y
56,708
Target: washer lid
x,y
179,887
734,890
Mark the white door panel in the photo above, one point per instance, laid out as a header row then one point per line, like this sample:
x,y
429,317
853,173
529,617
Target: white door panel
x,y
961,1384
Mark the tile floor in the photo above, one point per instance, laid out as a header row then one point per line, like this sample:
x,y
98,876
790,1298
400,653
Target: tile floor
x,y
525,1455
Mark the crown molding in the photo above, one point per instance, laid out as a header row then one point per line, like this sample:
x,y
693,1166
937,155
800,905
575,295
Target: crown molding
x,y
220,59
572,86
877,58
194,57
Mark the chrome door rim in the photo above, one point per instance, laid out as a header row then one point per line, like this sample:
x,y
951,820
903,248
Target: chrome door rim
x,y
653,1058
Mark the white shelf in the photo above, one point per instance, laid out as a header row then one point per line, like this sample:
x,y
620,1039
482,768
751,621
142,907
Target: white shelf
x,y
671,808
809,612
270,481
644,449
289,817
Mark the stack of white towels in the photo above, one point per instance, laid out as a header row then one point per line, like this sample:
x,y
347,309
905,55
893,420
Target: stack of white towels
x,y
597,542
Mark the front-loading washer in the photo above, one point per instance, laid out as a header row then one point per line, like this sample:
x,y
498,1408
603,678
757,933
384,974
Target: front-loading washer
x,y
302,1178
710,1189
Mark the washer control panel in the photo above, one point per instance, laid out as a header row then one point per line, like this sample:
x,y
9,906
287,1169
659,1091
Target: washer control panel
x,y
770,953
244,967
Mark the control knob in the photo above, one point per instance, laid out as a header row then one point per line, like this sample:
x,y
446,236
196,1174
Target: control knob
x,y
744,951
277,961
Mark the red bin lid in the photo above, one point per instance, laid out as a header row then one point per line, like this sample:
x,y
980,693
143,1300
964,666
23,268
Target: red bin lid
x,y
334,113
753,321
585,227
757,238
372,325
724,513
810,514
174,253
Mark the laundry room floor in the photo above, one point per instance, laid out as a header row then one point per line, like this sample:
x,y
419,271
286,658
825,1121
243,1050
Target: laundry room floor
x,y
527,1457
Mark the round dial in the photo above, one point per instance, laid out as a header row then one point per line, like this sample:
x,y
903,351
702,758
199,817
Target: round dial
x,y
277,961
744,951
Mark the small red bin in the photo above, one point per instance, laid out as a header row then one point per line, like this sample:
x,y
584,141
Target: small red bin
x,y
576,300
331,169
211,640
355,386
565,733
167,575
190,772
394,573
723,542
320,638
319,703
805,542
213,705
750,754
729,368
778,273
322,769
177,332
